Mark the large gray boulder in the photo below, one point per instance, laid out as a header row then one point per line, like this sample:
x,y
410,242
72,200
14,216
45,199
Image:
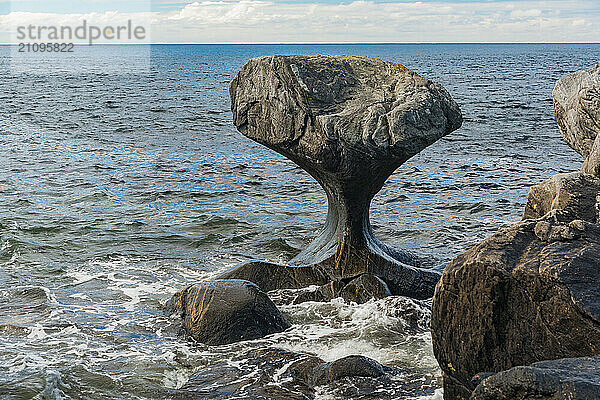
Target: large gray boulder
x,y
526,294
226,311
565,379
577,111
349,122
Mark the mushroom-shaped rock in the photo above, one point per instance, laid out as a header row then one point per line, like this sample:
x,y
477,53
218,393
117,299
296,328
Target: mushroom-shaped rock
x,y
564,379
349,122
226,311
577,111
526,294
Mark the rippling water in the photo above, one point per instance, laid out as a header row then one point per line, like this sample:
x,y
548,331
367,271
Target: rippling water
x,y
119,189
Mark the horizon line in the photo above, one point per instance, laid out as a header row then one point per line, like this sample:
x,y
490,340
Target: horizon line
x,y
299,43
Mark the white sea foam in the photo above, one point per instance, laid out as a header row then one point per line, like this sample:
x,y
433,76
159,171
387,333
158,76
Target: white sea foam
x,y
438,395
37,332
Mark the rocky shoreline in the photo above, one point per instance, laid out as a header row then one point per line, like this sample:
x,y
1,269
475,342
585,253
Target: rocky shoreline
x,y
530,293
525,295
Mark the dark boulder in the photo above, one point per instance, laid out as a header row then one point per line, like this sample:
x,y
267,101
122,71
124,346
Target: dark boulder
x,y
526,294
364,288
349,122
349,366
226,311
565,379
575,193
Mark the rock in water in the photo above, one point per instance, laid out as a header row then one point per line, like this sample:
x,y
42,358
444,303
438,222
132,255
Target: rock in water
x,y
277,374
577,111
565,379
269,373
526,294
224,312
359,290
349,122
349,366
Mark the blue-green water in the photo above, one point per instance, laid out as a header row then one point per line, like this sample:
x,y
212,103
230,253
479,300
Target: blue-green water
x,y
119,188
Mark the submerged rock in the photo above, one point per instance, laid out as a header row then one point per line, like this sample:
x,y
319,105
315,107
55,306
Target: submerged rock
x,y
349,122
359,290
565,379
258,374
526,294
575,193
276,374
224,312
577,111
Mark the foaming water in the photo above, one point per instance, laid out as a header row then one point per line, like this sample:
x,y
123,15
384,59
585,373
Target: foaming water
x,y
121,188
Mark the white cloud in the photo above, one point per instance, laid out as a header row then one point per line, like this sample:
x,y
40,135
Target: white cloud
x,y
365,21
526,13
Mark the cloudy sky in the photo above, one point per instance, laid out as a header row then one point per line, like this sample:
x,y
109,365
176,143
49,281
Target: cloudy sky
x,y
302,21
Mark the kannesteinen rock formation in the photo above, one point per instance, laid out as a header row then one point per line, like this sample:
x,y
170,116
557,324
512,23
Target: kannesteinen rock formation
x,y
531,292
349,122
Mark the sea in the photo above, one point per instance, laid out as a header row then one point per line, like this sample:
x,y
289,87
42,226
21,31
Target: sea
x,y
119,187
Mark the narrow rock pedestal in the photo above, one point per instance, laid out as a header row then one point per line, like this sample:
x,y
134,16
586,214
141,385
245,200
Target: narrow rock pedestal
x,y
350,122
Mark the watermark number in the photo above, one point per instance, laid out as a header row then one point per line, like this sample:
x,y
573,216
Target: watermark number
x,y
46,47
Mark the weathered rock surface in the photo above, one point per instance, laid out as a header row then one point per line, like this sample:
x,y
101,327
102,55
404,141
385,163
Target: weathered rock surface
x,y
575,193
275,374
565,379
349,122
226,311
526,294
577,111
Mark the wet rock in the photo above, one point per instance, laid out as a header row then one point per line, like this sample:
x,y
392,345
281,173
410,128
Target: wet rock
x,y
349,122
270,276
577,111
565,379
526,294
277,374
349,366
364,288
575,193
359,290
258,374
226,311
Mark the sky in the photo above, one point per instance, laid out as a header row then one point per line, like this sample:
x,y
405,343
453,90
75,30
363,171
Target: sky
x,y
323,21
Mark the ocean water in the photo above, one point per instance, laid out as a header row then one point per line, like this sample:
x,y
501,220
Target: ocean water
x,y
120,188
